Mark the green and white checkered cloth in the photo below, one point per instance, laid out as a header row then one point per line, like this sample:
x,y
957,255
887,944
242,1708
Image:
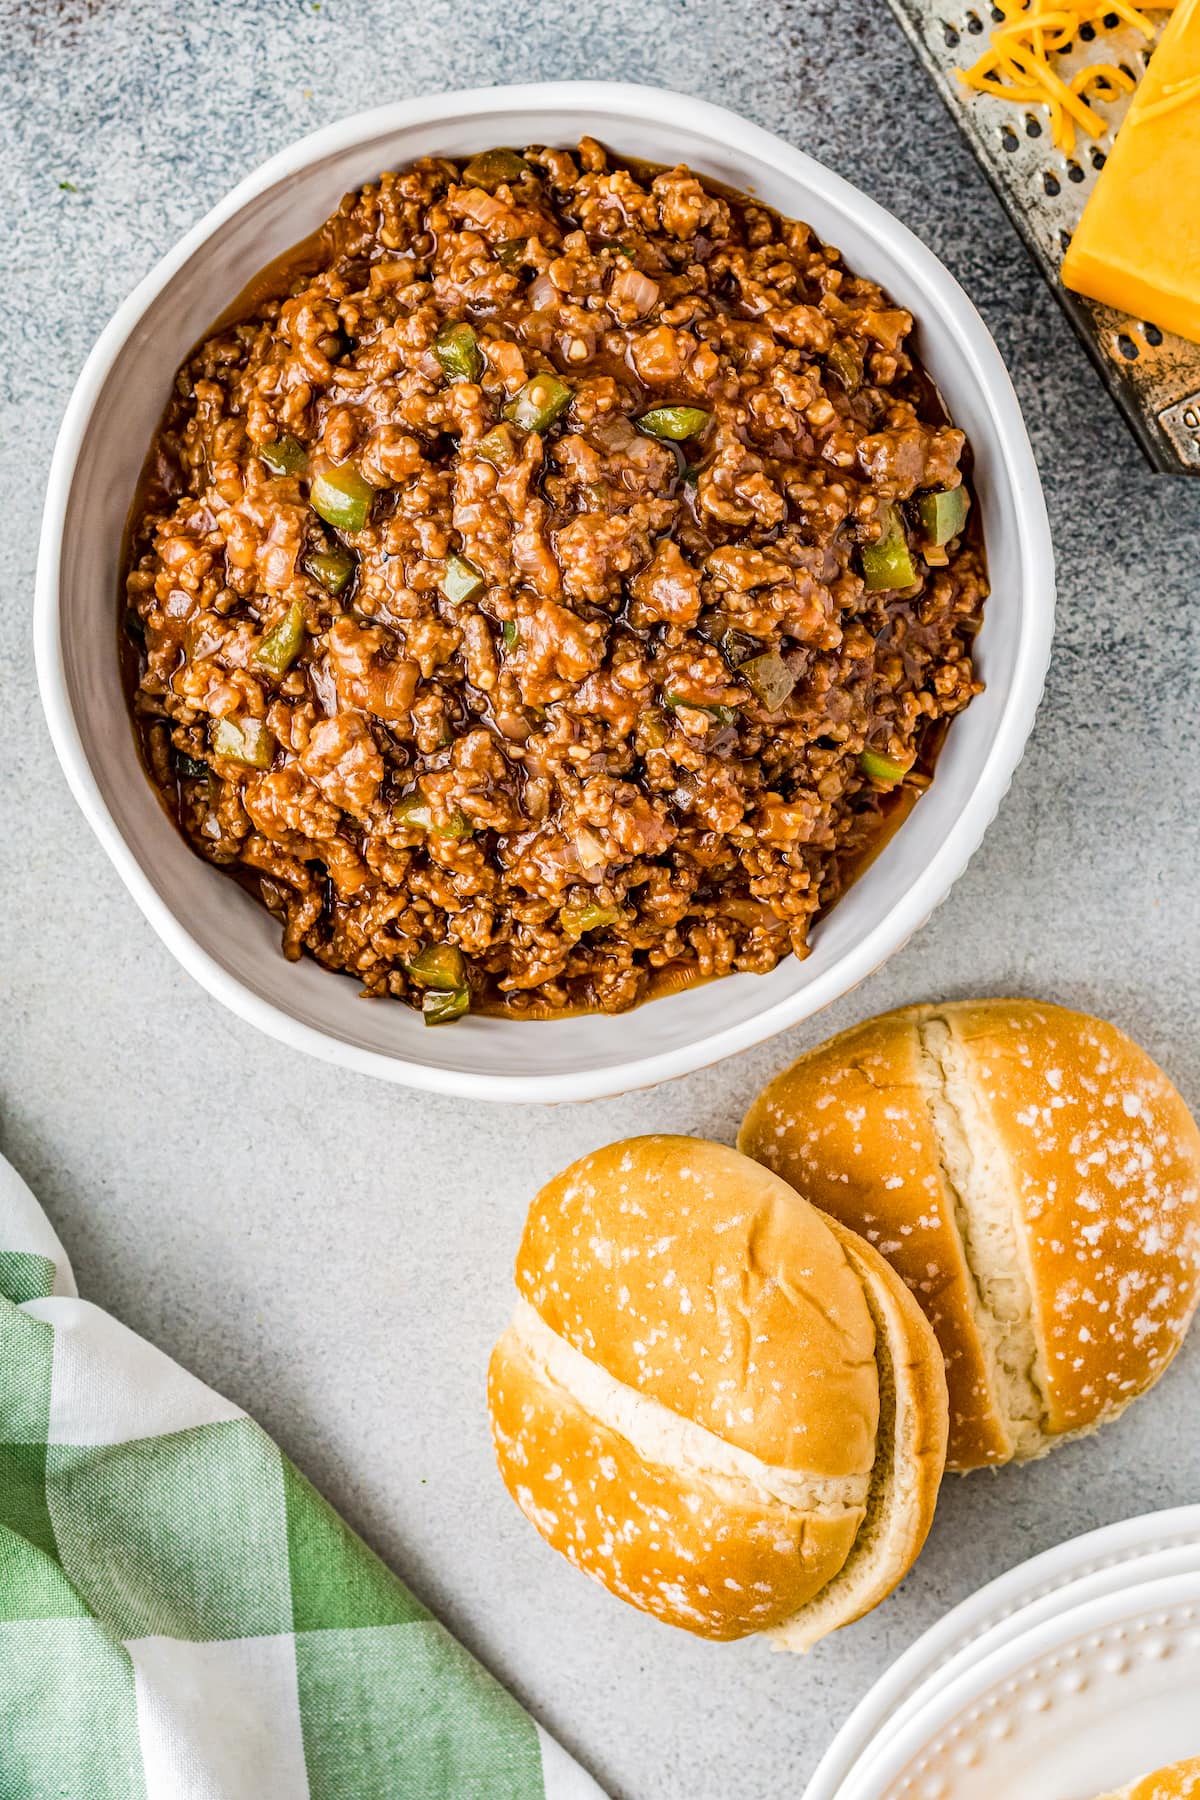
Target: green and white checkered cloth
x,y
182,1617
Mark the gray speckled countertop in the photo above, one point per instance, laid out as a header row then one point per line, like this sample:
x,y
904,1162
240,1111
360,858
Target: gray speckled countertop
x,y
335,1254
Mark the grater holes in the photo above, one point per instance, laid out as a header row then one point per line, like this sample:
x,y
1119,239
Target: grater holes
x,y
1074,172
1127,347
1050,183
1152,334
974,24
1098,159
951,35
1087,32
997,16
1033,127
1008,138
1064,241
1111,21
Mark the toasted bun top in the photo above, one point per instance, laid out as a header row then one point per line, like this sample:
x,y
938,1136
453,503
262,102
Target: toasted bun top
x,y
1036,1180
669,1518
850,1125
1105,1162
714,1399
694,1276
1178,1781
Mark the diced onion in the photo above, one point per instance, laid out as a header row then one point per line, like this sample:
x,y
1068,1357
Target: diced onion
x,y
489,211
630,288
542,294
589,849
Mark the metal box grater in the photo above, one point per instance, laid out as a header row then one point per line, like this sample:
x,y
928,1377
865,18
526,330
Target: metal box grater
x,y
1153,375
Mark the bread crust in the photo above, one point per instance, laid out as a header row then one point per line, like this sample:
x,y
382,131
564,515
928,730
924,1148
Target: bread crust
x,y
1090,1189
849,1126
910,1458
720,1565
718,1463
691,1275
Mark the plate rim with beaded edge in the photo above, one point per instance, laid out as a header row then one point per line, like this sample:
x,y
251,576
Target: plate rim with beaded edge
x,y
1098,1565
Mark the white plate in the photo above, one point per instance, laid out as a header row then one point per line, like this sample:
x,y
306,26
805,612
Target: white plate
x,y
1101,1563
1086,1700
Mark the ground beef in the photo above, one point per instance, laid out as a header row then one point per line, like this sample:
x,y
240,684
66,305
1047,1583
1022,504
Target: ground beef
x,y
504,736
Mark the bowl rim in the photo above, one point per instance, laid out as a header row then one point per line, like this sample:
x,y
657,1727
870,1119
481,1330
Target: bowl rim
x,y
985,367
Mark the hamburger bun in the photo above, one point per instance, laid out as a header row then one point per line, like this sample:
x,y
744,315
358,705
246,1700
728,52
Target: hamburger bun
x,y
1178,1781
717,1403
1035,1180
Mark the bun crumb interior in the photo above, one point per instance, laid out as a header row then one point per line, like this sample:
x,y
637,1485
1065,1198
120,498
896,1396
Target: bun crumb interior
x,y
977,1184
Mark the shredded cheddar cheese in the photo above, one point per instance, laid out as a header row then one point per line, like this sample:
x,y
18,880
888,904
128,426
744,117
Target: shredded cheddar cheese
x,y
1018,63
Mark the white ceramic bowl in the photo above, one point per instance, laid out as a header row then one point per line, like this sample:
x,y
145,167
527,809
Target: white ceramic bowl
x,y
231,944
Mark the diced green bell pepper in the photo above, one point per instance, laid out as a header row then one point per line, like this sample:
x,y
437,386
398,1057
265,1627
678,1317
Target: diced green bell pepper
x,y
245,741
280,647
677,423
332,568
461,580
769,677
542,400
442,1008
881,768
888,563
286,456
441,966
942,515
497,447
414,811
737,646
652,729
491,167
342,497
457,349
590,916
724,715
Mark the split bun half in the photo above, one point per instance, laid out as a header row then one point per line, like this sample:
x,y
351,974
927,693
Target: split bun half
x,y
1034,1178
715,1401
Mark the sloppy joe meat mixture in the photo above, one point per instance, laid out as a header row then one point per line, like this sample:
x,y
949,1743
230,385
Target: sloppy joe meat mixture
x,y
549,585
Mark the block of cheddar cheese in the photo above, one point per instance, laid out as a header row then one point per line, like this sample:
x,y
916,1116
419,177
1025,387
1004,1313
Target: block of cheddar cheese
x,y
1138,244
